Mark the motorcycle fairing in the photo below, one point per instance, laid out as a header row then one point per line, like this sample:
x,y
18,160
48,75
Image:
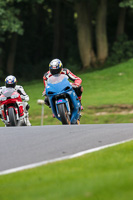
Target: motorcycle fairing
x,y
11,98
58,92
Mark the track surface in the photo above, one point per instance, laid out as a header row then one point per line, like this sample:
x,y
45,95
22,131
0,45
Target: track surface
x,y
21,146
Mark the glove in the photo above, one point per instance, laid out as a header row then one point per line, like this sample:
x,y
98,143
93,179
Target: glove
x,y
25,98
74,85
22,97
44,93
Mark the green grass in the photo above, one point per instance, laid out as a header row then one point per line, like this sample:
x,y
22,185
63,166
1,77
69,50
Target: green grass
x,y
112,85
109,86
102,175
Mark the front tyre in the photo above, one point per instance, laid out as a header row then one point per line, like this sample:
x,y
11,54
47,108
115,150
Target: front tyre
x,y
65,119
12,117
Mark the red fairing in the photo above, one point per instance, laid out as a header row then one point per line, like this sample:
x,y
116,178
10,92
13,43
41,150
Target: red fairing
x,y
13,108
1,102
21,111
3,113
18,98
11,102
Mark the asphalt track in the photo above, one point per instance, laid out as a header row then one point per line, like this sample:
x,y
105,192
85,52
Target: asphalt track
x,y
20,146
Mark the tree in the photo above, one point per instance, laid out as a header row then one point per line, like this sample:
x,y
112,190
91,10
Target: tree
x,y
9,23
10,27
101,32
59,14
84,32
27,46
126,3
121,20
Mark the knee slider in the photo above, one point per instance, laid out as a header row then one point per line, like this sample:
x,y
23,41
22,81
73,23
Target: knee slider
x,y
27,107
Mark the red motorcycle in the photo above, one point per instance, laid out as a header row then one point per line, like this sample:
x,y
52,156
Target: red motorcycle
x,y
12,108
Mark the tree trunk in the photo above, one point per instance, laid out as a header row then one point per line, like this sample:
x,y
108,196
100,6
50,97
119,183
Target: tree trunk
x,y
121,22
101,33
93,59
56,28
84,33
1,58
11,55
59,15
1,62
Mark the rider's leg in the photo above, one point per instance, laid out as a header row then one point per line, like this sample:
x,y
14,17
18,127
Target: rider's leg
x,y
2,119
79,91
80,102
26,108
46,101
27,120
0,114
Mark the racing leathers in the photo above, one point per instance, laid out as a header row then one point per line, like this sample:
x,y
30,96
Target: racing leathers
x,y
76,85
25,99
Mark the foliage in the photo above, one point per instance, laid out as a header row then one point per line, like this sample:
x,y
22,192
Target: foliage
x,y
9,21
1,74
10,18
42,25
121,50
126,3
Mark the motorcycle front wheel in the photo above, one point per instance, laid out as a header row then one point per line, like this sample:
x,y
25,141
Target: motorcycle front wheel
x,y
65,119
12,117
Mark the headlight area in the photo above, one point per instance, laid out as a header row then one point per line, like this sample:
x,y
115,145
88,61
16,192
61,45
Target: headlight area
x,y
14,96
3,98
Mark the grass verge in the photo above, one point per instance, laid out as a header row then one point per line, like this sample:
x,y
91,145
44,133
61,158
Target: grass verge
x,y
106,174
103,87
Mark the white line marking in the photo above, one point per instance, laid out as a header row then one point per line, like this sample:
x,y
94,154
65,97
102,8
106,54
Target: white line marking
x,y
13,170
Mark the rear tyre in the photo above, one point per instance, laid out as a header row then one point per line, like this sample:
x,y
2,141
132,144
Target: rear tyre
x,y
12,117
65,119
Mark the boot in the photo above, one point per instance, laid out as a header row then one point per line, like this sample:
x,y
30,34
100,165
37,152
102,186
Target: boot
x,y
0,114
80,102
82,107
46,101
27,120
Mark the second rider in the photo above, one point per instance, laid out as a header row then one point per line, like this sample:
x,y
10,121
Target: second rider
x,y
56,67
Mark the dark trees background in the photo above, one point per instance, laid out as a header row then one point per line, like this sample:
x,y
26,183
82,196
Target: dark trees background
x,y
84,34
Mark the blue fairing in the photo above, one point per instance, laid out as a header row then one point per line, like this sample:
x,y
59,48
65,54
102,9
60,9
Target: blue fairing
x,y
59,85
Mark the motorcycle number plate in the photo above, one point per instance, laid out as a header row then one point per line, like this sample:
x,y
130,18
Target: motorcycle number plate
x,y
59,101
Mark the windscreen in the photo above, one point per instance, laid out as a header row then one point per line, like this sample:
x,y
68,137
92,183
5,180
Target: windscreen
x,y
8,91
57,78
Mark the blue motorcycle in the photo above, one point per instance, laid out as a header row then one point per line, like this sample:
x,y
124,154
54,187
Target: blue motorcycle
x,y
63,100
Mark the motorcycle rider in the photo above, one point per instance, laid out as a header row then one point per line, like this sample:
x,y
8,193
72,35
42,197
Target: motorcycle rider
x,y
11,81
56,67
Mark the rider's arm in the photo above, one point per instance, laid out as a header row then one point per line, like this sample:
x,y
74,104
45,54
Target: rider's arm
x,y
45,78
1,88
21,91
73,77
